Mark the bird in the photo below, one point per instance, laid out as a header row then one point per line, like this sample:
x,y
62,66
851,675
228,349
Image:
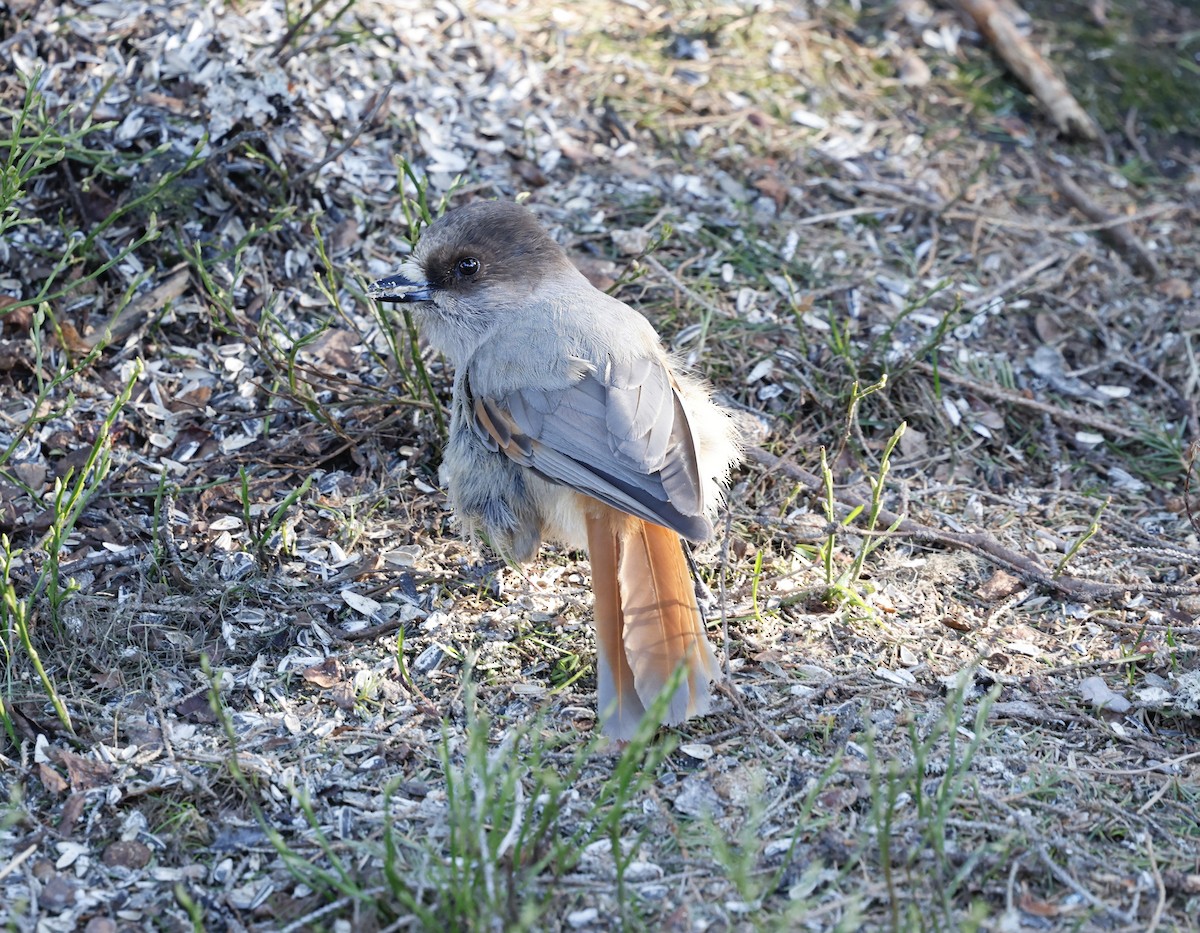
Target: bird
x,y
571,424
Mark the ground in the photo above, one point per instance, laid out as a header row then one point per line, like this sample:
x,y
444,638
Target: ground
x,y
253,678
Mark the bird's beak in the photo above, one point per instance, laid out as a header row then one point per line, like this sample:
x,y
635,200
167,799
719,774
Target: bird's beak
x,y
400,289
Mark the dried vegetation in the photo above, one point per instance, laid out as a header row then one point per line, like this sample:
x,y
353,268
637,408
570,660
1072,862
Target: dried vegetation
x,y
252,680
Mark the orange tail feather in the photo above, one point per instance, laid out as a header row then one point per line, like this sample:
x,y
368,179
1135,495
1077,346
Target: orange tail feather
x,y
647,623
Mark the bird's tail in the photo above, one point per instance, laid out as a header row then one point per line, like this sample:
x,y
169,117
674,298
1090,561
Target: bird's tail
x,y
647,623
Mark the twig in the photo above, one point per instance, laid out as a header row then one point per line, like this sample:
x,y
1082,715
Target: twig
x,y
1010,905
15,862
1015,398
307,921
138,313
106,558
691,293
723,570
1118,233
1097,665
1039,227
848,212
1066,878
291,34
1159,887
953,209
1038,844
1167,784
745,711
979,543
1159,766
1132,136
367,121
1028,65
980,302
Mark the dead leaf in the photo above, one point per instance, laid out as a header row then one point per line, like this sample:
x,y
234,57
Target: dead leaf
x,y
338,349
72,811
913,71
602,273
1037,907
51,779
775,188
955,623
1000,585
194,398
344,236
343,696
329,672
196,709
85,773
839,799
139,311
914,445
108,680
1175,288
126,853
166,101
1048,327
19,319
70,339
531,173
14,354
32,473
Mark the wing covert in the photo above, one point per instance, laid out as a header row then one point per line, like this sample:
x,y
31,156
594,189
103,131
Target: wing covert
x,y
620,436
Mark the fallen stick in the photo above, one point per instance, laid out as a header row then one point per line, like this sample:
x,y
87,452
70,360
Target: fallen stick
x,y
1116,231
1033,71
979,542
1016,398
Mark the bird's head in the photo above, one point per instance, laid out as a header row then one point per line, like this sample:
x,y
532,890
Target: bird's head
x,y
470,268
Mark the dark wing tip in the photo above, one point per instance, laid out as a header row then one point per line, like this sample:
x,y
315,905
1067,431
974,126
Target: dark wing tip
x,y
696,528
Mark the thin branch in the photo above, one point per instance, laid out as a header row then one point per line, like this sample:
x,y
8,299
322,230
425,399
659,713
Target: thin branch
x,y
979,543
1024,61
1015,398
1117,233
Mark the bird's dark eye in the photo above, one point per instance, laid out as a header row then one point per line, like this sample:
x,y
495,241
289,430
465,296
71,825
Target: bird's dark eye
x,y
468,265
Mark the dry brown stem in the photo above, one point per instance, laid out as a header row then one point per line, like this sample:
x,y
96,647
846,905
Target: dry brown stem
x,y
1033,71
979,542
1116,232
1016,398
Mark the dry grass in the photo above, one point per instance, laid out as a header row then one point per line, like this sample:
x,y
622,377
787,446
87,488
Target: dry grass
x,y
290,697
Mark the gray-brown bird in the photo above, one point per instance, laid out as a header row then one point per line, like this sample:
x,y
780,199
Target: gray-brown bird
x,y
570,424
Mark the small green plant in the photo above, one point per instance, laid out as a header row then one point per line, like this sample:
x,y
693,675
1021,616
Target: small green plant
x,y
270,531
298,21
635,268
40,141
896,786
71,495
740,857
194,910
1092,530
841,584
509,826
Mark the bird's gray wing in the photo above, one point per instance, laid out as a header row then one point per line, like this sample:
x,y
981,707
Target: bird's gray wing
x,y
619,435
